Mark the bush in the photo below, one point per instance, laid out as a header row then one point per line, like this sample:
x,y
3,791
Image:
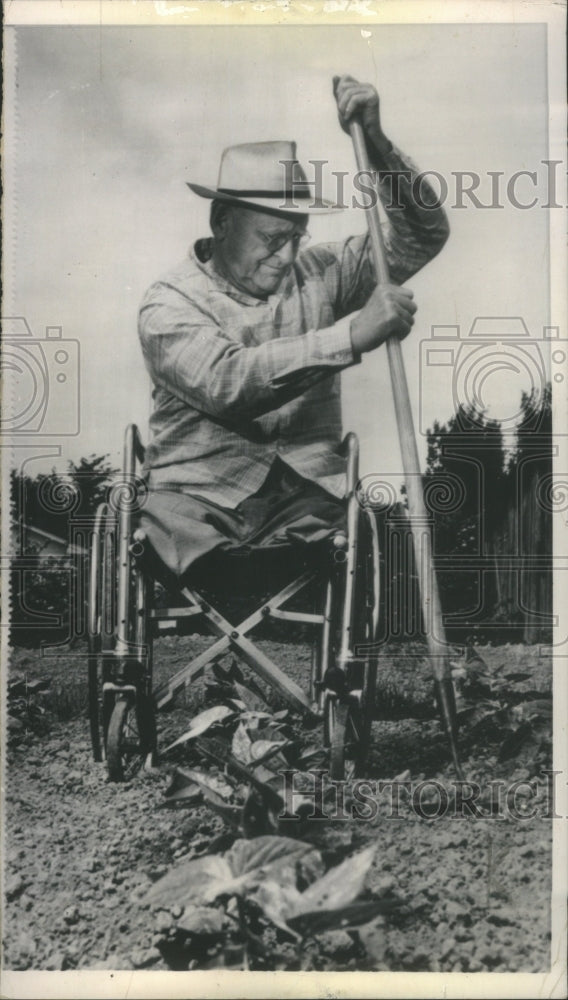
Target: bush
x,y
42,612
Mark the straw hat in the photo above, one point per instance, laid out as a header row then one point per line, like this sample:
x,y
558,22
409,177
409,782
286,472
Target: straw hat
x,y
267,175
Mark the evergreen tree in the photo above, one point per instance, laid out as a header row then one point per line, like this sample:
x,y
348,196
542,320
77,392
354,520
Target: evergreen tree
x,y
500,510
531,504
56,503
49,500
466,470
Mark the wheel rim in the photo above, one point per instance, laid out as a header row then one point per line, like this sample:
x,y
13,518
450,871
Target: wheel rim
x,y
99,576
131,737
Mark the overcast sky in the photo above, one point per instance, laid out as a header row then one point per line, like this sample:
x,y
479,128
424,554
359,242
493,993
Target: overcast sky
x,y
112,122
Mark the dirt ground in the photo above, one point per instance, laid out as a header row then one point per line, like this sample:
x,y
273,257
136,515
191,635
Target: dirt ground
x,y
472,892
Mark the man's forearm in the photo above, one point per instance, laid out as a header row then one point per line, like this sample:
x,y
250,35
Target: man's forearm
x,y
418,225
402,188
378,147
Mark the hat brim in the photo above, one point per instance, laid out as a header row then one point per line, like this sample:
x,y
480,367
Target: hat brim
x,y
297,206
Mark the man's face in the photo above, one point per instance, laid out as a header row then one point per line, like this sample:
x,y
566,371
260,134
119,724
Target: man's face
x,y
247,245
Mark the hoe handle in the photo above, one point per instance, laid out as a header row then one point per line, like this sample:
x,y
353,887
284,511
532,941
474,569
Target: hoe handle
x,y
420,526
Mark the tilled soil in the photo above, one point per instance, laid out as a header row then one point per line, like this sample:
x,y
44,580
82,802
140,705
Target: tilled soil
x,y
80,853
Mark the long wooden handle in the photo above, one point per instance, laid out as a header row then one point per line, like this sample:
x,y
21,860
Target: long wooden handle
x,y
421,534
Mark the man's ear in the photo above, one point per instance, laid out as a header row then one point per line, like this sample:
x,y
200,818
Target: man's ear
x,y
219,218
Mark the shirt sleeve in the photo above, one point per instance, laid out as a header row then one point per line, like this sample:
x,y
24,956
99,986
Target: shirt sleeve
x,y
415,230
187,354
417,226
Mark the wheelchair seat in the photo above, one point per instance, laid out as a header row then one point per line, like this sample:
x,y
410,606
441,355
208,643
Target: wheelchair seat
x,y
330,586
287,509
238,578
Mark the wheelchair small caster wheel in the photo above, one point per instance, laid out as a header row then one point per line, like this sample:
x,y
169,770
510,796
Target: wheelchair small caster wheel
x,y
131,737
335,729
344,735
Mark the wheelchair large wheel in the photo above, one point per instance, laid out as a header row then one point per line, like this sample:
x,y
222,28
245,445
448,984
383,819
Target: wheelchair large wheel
x,y
102,623
348,714
122,724
94,637
131,736
367,622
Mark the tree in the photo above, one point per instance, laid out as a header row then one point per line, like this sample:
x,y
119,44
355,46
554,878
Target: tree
x,y
533,434
528,531
91,479
49,501
500,511
466,482
40,589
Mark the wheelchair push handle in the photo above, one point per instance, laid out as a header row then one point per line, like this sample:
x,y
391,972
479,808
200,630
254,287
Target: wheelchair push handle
x,y
133,449
349,449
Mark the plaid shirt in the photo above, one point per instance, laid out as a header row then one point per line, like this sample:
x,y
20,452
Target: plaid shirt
x,y
239,380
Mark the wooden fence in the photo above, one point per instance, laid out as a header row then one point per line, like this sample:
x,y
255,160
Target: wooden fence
x,y
502,592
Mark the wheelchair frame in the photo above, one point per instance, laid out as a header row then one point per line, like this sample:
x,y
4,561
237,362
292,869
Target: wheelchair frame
x,y
123,622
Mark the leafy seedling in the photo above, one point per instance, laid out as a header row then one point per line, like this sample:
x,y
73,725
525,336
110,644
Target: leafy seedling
x,y
263,873
201,723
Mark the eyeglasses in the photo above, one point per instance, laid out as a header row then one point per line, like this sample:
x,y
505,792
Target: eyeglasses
x,y
275,243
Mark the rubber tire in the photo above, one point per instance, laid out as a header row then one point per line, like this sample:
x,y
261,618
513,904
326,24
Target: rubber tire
x,y
349,737
336,734
102,643
131,737
108,589
347,755
94,650
366,710
94,709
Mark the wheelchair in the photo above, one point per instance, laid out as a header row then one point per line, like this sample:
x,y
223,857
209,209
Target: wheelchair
x,y
124,619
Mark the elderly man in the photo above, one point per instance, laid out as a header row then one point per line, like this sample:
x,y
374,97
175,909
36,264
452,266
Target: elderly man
x,y
245,341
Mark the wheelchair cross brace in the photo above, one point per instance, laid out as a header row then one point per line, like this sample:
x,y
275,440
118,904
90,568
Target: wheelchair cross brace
x,y
235,637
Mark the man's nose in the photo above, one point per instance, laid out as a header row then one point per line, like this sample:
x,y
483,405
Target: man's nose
x,y
285,253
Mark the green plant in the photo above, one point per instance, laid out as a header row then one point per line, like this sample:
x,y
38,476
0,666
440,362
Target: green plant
x,y
27,711
501,710
256,885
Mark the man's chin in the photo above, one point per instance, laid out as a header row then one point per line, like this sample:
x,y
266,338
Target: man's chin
x,y
270,282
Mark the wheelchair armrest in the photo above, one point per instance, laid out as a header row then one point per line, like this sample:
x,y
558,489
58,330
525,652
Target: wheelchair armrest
x,y
349,448
133,449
